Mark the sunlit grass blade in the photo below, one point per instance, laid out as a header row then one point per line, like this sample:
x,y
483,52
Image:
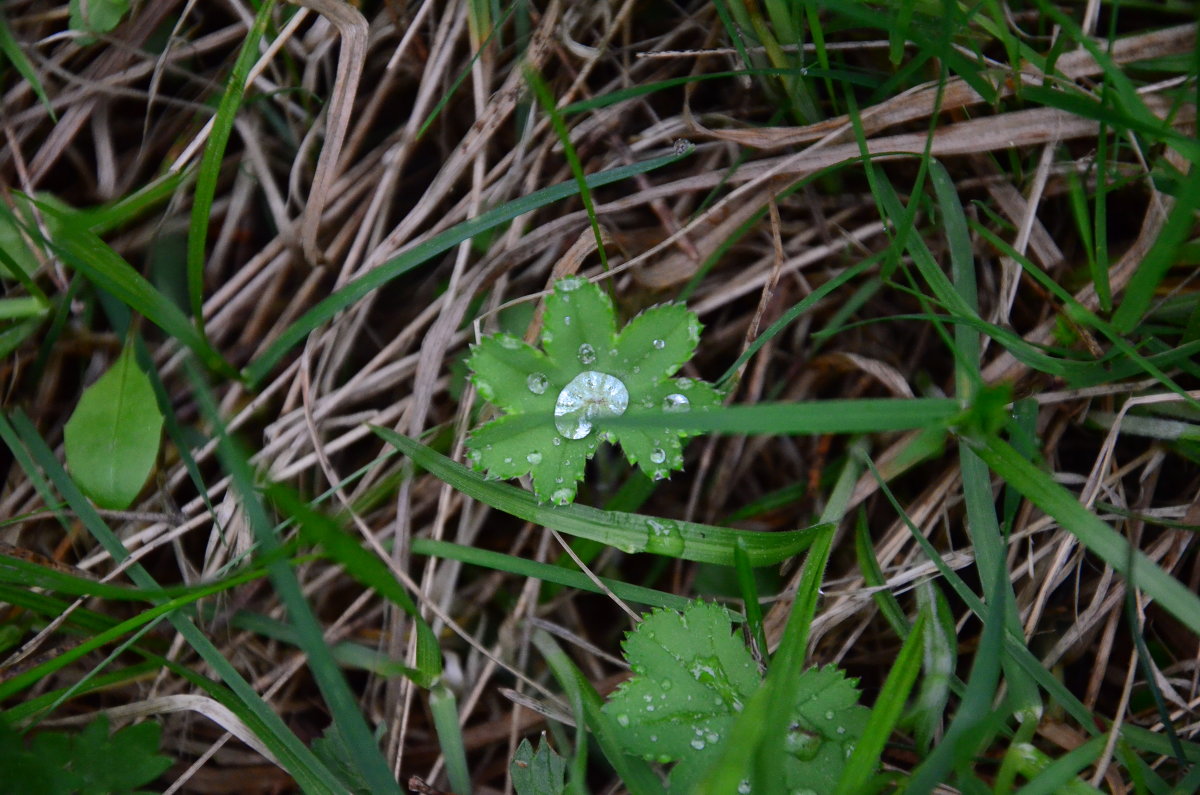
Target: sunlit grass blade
x,y
625,531
423,252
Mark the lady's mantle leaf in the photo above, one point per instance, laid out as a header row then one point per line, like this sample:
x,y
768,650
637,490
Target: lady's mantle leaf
x,y
556,402
692,675
112,438
541,773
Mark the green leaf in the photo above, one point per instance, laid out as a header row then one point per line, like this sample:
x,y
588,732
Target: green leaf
x,y
112,437
91,761
96,16
589,373
692,677
538,773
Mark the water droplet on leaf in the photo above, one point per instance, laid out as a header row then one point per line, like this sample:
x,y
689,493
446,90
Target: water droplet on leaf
x,y
570,283
534,458
658,455
561,496
537,383
589,394
659,344
587,354
676,402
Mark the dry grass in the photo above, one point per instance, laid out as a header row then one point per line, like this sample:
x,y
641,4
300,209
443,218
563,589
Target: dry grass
x,y
341,158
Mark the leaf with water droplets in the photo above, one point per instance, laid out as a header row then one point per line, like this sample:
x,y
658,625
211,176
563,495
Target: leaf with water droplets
x,y
694,675
586,375
656,343
501,368
585,342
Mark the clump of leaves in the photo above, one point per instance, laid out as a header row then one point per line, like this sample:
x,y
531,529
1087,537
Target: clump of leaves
x,y
692,676
554,398
91,761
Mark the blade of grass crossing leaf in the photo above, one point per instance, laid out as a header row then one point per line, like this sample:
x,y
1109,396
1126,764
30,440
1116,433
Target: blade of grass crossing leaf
x,y
545,98
444,707
635,774
309,772
425,251
212,159
341,701
885,714
1041,490
749,591
627,532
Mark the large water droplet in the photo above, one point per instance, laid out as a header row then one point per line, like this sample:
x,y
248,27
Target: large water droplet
x,y
534,458
801,744
589,394
658,455
663,537
659,344
537,383
676,402
587,354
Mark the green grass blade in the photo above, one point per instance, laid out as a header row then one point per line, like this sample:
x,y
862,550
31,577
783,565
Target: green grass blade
x,y
86,253
343,706
1111,547
16,56
444,707
625,531
886,712
293,755
868,415
212,159
548,572
423,252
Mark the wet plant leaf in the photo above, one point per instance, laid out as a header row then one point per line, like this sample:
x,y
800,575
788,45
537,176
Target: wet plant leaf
x,y
556,401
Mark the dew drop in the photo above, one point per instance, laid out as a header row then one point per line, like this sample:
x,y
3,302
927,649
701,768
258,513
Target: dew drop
x,y
744,787
623,719
508,459
660,474
663,538
658,455
675,402
547,335
534,458
506,341
589,394
659,344
570,283
698,744
537,383
557,441
829,714
561,496
587,354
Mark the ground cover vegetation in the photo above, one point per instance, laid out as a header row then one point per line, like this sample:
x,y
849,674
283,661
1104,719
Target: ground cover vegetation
x,y
316,315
